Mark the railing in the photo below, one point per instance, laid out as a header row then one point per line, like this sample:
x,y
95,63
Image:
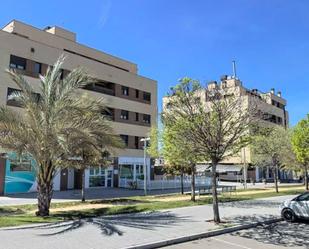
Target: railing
x,y
163,184
100,89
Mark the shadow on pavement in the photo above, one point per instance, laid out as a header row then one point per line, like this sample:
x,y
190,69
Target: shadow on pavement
x,y
281,234
246,219
109,224
252,204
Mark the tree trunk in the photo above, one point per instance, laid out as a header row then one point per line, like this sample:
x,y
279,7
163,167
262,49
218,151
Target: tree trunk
x,y
306,178
83,185
215,204
45,192
276,177
181,183
193,182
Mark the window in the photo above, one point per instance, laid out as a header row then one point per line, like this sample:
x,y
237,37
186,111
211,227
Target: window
x,y
124,115
108,113
136,93
139,171
20,165
136,142
126,171
279,120
125,139
303,197
97,177
101,86
18,62
136,116
61,74
125,90
147,96
146,118
37,67
12,97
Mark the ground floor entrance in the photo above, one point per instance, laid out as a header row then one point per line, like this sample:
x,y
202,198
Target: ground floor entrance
x,y
18,175
101,177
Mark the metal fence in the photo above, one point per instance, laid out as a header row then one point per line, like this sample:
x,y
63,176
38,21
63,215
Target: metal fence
x,y
164,184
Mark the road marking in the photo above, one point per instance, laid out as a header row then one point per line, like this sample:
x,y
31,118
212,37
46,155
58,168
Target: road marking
x,y
231,243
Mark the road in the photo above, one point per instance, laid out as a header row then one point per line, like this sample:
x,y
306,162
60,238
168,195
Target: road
x,y
281,235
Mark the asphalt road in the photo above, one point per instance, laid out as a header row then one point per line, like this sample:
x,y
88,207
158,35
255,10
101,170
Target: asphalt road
x,y
281,235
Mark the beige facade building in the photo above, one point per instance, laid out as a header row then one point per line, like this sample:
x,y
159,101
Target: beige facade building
x,y
272,111
130,97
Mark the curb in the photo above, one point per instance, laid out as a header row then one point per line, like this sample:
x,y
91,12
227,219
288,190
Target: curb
x,y
188,238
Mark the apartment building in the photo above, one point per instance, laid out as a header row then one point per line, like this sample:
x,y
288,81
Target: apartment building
x,y
130,98
272,111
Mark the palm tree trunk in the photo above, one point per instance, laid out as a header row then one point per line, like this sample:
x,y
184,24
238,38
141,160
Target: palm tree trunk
x,y
192,182
181,183
45,192
83,185
215,203
306,177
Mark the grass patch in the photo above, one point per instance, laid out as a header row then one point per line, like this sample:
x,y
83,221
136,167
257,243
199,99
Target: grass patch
x,y
24,214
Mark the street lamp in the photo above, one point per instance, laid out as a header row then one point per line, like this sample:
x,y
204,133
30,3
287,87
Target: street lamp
x,y
145,165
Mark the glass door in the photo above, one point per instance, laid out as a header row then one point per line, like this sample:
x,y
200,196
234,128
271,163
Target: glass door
x,y
109,178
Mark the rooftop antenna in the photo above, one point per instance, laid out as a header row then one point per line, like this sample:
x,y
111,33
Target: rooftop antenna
x,y
234,69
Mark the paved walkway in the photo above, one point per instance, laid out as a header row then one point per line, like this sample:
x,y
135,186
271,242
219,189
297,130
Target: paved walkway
x,y
75,195
99,193
122,231
280,235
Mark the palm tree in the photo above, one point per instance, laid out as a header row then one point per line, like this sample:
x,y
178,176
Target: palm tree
x,y
53,124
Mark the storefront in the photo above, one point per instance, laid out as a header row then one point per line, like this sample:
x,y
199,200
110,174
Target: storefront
x,y
18,175
101,177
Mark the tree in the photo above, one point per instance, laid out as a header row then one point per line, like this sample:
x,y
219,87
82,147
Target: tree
x,y
271,147
154,145
178,154
52,121
300,144
214,121
162,144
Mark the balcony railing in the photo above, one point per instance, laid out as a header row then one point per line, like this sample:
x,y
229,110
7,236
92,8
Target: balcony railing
x,y
100,89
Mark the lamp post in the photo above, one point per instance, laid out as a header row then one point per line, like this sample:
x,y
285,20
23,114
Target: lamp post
x,y
145,165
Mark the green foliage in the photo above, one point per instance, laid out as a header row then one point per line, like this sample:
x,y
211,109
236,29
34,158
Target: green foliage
x,y
56,125
300,141
155,138
271,145
177,151
213,122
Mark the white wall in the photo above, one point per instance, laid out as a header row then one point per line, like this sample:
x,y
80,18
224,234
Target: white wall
x,y
87,178
70,178
57,181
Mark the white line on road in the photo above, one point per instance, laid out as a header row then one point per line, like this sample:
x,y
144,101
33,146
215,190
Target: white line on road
x,y
231,243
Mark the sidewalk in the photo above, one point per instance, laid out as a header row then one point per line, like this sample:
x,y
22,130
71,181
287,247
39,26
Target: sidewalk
x,y
129,230
101,193
75,195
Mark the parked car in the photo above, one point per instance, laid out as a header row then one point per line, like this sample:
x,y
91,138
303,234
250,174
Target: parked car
x,y
297,208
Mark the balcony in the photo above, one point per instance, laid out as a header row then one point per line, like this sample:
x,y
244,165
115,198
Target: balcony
x,y
102,87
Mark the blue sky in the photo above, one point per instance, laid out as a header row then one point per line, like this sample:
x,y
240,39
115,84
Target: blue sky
x,y
269,39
